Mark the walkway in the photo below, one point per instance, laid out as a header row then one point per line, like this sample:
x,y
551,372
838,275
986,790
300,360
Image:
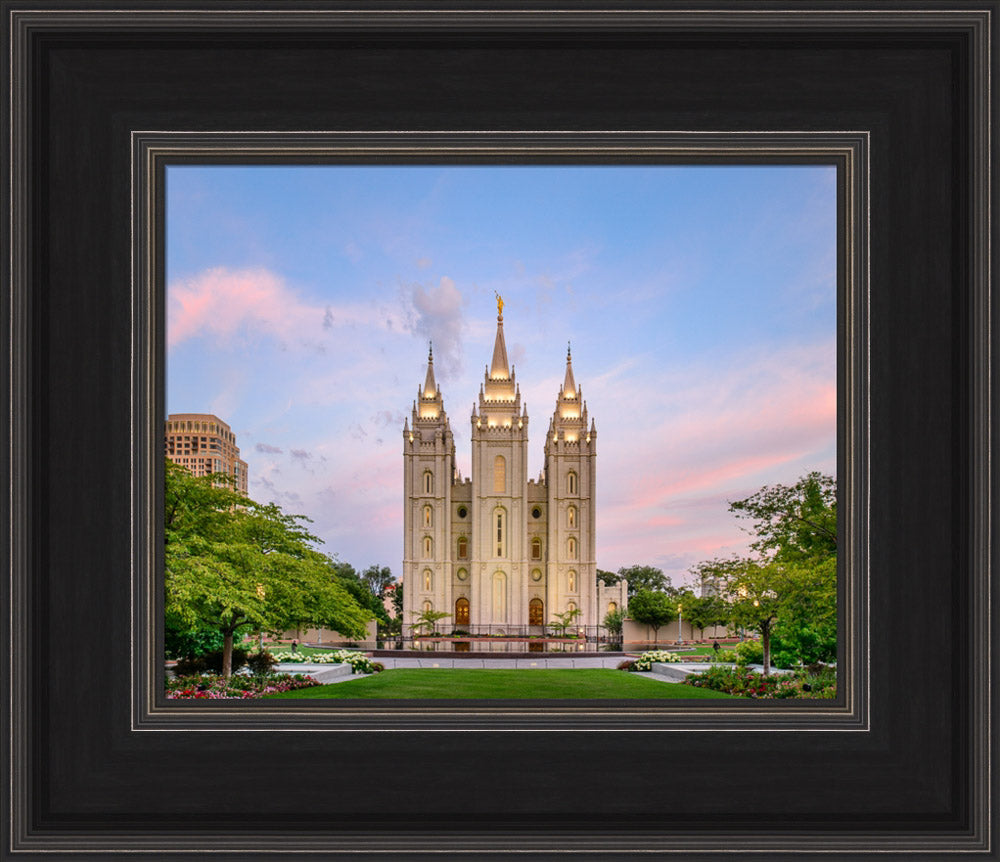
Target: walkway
x,y
511,663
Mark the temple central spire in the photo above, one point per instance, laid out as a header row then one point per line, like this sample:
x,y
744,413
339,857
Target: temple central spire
x,y
499,368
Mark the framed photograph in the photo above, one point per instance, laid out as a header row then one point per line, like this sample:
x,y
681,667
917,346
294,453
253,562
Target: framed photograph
x,y
893,105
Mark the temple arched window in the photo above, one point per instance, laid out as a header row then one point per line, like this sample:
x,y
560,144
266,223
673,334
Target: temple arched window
x,y
571,483
536,548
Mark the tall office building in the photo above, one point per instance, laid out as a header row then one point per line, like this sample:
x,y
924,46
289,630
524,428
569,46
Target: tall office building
x,y
204,444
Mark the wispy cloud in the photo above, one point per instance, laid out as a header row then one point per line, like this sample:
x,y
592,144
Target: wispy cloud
x,y
438,316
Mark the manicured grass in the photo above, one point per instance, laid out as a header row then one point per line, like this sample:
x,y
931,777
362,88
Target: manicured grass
x,y
482,683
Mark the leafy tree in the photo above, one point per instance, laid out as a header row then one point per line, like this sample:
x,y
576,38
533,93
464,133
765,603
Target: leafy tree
x,y
705,611
397,600
644,578
614,622
378,579
359,590
793,522
652,609
233,564
756,597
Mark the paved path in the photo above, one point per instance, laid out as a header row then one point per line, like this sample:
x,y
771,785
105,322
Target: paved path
x,y
504,663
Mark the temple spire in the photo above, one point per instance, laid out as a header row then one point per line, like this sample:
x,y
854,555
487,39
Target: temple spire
x,y
569,384
430,387
499,368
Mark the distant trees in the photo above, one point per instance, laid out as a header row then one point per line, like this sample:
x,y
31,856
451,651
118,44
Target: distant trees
x,y
643,578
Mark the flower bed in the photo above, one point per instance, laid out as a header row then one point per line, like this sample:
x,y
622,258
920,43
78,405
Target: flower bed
x,y
212,687
749,683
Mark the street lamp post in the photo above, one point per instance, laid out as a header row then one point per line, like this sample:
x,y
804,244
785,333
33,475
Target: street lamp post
x,y
680,619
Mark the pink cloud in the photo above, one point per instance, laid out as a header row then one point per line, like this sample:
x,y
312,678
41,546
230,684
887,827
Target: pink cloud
x,y
221,302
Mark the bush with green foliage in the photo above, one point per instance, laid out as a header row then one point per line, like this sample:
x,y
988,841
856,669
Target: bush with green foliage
x,y
260,663
750,652
210,662
724,655
797,642
181,641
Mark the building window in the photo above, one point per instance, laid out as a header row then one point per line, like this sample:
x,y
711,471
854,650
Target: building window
x,y
612,607
428,580
463,548
428,482
536,613
571,606
571,582
499,519
571,483
571,547
428,607
536,549
428,516
571,516
428,547
462,574
499,475
462,612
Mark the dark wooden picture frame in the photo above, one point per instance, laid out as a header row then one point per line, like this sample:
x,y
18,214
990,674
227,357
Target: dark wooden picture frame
x,y
904,762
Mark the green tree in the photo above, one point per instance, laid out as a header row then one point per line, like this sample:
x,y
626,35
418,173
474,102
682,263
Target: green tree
x,y
377,578
705,611
757,595
644,578
359,590
793,522
614,622
652,609
233,564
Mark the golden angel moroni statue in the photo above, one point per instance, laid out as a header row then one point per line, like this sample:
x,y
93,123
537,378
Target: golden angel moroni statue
x,y
499,304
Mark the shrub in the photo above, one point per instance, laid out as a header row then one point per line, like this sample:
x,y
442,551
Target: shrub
x,y
729,655
260,663
180,642
750,652
628,664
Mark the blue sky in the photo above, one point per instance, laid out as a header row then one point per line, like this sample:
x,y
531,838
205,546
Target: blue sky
x,y
700,303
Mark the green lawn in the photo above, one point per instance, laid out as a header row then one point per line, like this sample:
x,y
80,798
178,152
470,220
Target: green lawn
x,y
482,683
